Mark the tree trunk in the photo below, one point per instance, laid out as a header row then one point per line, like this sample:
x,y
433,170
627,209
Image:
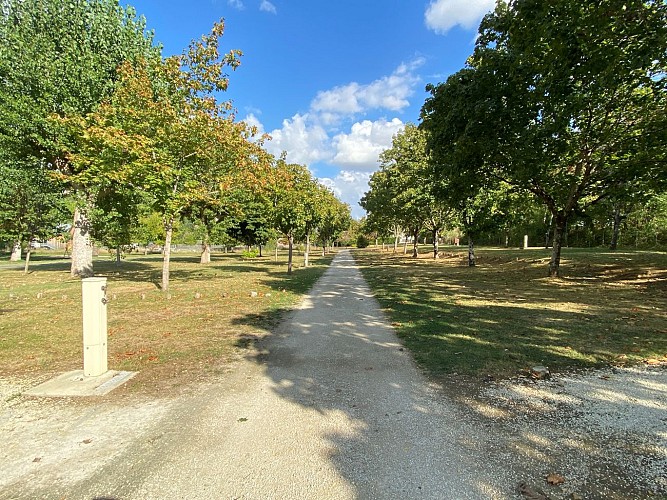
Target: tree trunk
x,y
276,250
260,250
205,249
307,252
16,251
472,262
118,255
290,241
617,228
415,246
82,247
27,259
405,246
435,244
169,231
559,230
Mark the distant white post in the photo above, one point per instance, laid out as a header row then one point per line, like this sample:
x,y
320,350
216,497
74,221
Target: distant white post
x,y
94,326
525,241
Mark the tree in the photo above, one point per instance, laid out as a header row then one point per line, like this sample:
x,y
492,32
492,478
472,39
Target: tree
x,y
253,226
31,207
335,218
164,132
115,216
381,206
406,188
292,204
459,142
61,58
574,99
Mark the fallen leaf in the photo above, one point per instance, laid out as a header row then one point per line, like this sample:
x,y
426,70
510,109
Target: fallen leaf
x,y
243,419
555,479
37,459
87,441
152,358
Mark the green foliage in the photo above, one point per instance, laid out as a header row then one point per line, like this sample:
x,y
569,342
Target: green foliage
x,y
563,99
31,205
250,254
404,191
362,241
60,59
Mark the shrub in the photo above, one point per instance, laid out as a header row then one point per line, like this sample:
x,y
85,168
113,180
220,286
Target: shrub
x,y
249,254
362,241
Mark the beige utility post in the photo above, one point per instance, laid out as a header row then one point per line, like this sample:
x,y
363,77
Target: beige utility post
x,y
94,326
525,241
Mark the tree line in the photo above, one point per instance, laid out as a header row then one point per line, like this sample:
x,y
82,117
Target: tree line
x,y
97,125
558,114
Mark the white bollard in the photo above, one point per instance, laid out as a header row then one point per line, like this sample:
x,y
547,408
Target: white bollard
x,y
94,326
525,241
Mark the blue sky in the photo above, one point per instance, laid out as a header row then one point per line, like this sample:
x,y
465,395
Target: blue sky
x,y
330,81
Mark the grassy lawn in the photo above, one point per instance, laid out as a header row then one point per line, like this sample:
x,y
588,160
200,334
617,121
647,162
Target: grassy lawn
x,y
504,316
171,339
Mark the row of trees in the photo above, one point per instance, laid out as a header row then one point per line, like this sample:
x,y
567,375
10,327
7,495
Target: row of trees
x,y
562,103
94,121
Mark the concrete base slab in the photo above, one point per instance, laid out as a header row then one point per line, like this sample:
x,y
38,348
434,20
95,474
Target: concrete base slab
x,y
76,384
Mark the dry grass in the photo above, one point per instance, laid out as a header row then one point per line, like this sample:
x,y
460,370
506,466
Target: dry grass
x,y
198,328
504,316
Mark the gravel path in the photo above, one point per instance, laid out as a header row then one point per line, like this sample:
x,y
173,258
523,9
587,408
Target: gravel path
x,y
331,406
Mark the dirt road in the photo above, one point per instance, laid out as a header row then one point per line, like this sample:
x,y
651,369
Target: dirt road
x,y
330,406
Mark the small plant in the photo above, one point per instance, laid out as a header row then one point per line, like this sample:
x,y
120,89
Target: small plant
x,y
249,254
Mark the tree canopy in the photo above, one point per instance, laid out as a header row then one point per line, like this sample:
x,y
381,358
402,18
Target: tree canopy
x,y
565,100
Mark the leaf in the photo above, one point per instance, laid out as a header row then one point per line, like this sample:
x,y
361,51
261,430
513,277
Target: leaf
x,y
555,479
243,419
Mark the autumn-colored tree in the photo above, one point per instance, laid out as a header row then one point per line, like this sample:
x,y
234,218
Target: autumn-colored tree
x,y
60,58
164,132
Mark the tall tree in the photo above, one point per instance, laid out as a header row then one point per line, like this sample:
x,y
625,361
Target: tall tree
x,y
61,58
164,131
405,179
32,206
335,218
574,99
292,202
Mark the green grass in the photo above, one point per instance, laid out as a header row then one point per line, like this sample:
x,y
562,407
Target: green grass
x,y
504,316
199,327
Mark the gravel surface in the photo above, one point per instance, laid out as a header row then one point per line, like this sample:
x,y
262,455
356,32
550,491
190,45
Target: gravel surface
x,y
331,406
603,431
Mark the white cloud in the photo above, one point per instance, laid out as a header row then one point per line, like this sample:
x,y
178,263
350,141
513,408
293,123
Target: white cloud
x,y
361,148
442,15
303,141
237,4
253,121
349,186
267,6
387,93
